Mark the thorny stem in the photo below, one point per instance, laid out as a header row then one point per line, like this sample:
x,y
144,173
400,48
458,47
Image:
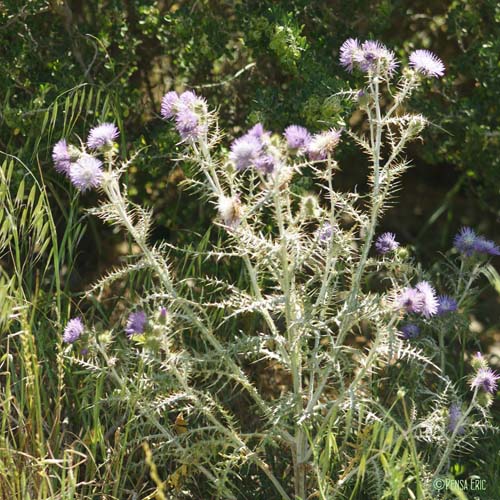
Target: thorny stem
x,y
113,192
376,127
207,166
295,352
147,414
330,263
472,278
456,430
443,352
376,135
376,124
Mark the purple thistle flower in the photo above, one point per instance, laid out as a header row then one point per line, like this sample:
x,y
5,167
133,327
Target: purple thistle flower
x,y
86,173
369,55
429,299
258,131
410,331
73,331
297,137
189,98
61,157
187,123
348,51
465,241
446,304
486,380
265,163
409,299
169,104
484,246
136,323
323,144
244,151
102,136
386,243
189,111
427,63
325,232
454,416
375,55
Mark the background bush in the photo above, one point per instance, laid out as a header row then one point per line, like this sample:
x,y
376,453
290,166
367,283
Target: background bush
x,y
68,65
272,61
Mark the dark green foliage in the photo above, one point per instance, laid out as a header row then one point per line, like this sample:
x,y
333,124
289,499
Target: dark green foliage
x,y
274,62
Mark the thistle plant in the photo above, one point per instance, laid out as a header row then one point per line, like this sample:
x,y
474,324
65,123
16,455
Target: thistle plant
x,y
380,417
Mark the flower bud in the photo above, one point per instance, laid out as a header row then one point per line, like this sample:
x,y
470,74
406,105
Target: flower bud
x,y
105,338
363,98
74,153
162,316
416,124
402,252
484,399
478,361
309,207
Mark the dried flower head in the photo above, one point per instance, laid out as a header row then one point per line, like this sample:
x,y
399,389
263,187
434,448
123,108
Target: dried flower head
x,y
323,144
73,331
229,210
